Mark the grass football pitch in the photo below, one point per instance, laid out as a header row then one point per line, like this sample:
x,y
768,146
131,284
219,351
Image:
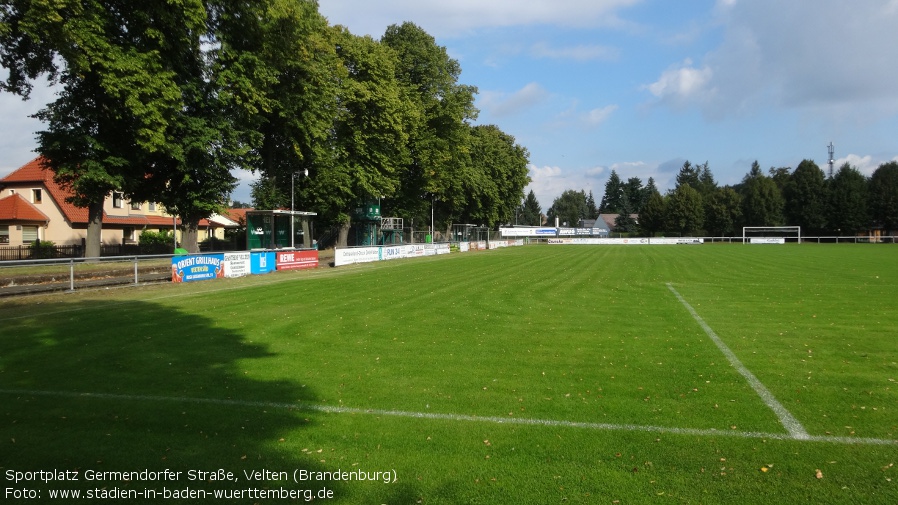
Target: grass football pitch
x,y
541,374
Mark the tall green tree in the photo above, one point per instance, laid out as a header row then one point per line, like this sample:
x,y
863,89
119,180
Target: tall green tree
x,y
707,186
805,197
884,196
121,68
723,212
688,176
279,76
653,215
762,201
848,213
612,200
438,132
635,194
780,176
569,208
368,147
591,209
685,212
531,211
498,176
625,222
192,177
647,190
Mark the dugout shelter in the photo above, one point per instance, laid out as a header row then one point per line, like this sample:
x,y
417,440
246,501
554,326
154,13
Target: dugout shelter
x,y
279,229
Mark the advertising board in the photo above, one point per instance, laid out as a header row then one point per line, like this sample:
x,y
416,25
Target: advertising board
x,y
296,260
262,262
197,267
237,264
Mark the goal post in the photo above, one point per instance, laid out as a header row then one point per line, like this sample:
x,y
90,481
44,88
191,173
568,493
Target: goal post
x,y
770,234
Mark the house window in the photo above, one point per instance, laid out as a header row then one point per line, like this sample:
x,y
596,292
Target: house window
x,y
152,206
128,235
29,234
4,234
117,199
135,205
36,196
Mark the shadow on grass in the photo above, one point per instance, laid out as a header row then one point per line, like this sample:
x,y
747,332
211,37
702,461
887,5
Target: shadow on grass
x,y
102,387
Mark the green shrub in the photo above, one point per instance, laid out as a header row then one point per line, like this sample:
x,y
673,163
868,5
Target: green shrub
x,y
156,238
43,249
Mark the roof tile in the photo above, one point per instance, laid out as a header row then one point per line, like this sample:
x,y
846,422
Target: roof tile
x,y
15,208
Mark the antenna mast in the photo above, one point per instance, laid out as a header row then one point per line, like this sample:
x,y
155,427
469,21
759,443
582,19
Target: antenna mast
x,y
832,158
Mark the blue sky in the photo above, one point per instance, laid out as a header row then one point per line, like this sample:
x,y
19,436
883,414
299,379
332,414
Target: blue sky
x,y
640,86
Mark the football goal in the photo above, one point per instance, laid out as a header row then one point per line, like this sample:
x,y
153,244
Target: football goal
x,y
770,234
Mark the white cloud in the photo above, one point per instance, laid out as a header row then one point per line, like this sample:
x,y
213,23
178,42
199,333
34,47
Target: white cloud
x,y
595,171
578,53
544,173
549,182
500,104
632,168
826,57
865,164
448,19
598,116
682,84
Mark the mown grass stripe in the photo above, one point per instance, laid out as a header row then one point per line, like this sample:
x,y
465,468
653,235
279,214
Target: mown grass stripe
x,y
329,409
795,429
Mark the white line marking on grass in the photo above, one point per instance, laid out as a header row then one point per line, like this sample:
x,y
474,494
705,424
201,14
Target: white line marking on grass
x,y
795,429
328,409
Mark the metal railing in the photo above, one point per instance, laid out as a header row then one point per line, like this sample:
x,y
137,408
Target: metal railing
x,y
65,274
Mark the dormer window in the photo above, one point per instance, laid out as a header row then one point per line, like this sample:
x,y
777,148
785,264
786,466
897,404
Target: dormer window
x,y
36,195
117,199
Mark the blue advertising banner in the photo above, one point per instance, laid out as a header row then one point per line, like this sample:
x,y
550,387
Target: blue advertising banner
x,y
262,262
197,268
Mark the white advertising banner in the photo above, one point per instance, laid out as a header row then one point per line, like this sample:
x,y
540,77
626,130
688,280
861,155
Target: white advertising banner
x,y
356,255
767,240
236,264
530,231
384,253
395,252
627,241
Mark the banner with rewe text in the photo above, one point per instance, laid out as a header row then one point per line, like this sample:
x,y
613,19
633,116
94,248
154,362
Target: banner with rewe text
x,y
295,260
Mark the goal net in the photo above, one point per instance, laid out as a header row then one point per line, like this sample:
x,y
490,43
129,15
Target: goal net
x,y
771,234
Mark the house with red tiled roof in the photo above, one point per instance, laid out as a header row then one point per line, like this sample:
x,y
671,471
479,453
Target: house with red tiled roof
x,y
236,215
34,207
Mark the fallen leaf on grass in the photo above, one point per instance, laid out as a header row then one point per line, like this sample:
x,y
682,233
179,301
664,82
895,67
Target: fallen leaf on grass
x,y
819,474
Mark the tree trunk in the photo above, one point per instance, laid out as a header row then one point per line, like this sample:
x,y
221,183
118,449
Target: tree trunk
x,y
343,235
189,235
94,229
